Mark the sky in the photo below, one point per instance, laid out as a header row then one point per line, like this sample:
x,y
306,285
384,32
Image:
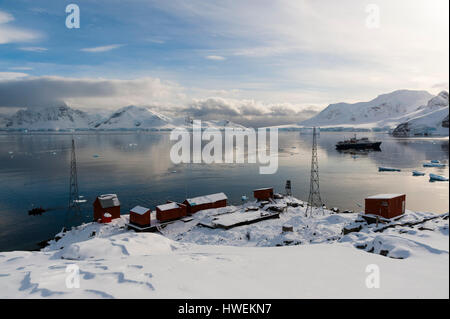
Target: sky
x,y
264,62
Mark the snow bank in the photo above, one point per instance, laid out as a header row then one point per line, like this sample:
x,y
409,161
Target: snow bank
x,y
316,260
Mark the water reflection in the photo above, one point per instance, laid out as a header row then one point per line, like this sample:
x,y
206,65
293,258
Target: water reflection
x,y
34,170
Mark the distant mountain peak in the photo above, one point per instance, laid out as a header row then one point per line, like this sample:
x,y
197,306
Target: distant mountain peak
x,y
382,110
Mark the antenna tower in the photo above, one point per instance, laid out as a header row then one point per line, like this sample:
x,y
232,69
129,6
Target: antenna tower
x,y
315,204
73,209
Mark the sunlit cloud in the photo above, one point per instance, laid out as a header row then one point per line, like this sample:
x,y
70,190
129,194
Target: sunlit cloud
x,y
215,57
12,75
12,34
104,48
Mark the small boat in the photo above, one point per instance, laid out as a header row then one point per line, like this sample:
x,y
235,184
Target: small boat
x,y
417,173
36,211
388,169
439,178
433,165
355,143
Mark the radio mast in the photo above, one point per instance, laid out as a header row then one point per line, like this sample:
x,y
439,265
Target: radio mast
x,y
73,209
315,204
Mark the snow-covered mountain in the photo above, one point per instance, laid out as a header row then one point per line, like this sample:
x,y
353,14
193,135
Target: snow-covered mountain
x,y
385,111
55,118
431,119
132,117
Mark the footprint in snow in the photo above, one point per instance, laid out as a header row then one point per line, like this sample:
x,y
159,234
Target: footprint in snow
x,y
56,267
102,267
26,284
100,293
87,275
136,266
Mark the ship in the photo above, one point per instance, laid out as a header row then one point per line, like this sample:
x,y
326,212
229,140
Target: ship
x,y
361,143
36,211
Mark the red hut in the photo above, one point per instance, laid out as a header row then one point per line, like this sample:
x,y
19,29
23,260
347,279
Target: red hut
x,y
108,203
263,193
140,216
170,211
205,202
386,205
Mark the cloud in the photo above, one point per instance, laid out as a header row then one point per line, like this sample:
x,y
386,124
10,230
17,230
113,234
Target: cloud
x,y
104,48
20,90
33,49
12,34
247,112
11,75
5,17
289,36
215,57
85,92
21,68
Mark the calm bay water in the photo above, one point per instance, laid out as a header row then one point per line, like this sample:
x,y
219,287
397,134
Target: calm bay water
x,y
34,170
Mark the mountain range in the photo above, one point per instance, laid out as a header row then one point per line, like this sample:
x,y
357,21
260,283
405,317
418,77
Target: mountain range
x,y
63,117
423,112
402,112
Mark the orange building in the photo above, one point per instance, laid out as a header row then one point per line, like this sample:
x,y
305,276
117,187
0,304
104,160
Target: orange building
x,y
108,203
386,205
140,216
263,193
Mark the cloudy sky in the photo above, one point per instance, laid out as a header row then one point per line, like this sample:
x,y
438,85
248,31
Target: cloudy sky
x,y
254,61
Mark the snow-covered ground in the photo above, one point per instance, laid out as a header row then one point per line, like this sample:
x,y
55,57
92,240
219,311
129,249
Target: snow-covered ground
x,y
253,261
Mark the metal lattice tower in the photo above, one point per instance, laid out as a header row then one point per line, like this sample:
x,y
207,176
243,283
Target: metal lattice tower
x,y
315,204
73,209
288,188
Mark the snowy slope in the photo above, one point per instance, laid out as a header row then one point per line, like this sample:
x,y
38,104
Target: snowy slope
x,y
118,263
134,117
428,120
386,110
127,118
49,118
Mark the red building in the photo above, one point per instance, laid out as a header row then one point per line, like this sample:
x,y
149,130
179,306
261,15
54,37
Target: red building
x,y
170,211
386,205
140,216
108,203
263,193
205,202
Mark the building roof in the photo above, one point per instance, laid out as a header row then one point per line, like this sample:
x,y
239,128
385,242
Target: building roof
x,y
207,199
384,196
108,200
167,206
139,210
263,189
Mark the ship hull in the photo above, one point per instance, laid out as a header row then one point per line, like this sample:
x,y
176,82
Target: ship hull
x,y
359,146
